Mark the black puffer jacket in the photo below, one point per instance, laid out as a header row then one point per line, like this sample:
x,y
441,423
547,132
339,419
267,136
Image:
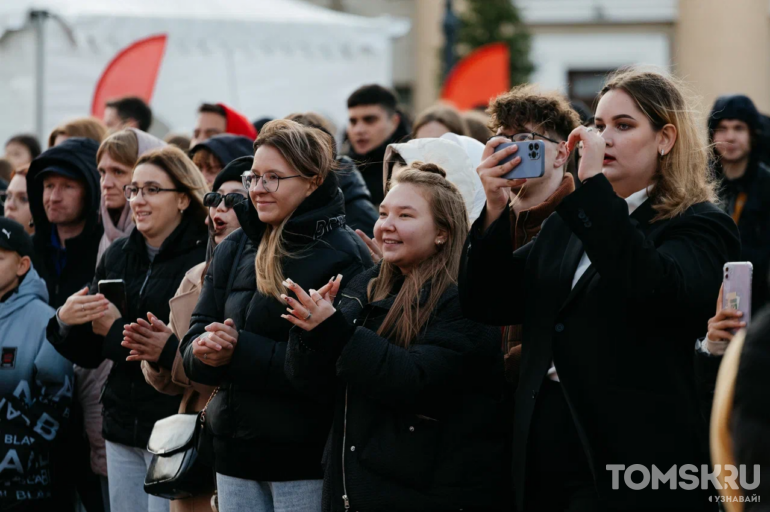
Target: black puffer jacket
x,y
131,406
417,429
263,428
77,155
359,210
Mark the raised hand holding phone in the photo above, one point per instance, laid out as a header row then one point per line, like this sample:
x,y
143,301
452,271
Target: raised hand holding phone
x,y
491,171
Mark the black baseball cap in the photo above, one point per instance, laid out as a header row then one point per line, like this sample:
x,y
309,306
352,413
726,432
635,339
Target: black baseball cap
x,y
13,237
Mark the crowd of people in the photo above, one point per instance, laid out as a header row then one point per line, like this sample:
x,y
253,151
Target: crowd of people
x,y
380,318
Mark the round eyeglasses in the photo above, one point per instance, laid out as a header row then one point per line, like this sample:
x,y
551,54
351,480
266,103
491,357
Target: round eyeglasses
x,y
270,180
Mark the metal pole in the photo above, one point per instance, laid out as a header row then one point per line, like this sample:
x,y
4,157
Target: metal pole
x,y
451,27
38,20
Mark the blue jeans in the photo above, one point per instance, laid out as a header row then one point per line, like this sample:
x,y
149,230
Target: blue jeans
x,y
238,495
126,469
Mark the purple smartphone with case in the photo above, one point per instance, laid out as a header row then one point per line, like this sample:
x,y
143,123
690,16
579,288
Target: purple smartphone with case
x,y
532,163
736,293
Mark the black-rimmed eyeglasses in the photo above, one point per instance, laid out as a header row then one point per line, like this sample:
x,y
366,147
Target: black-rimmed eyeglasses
x,y
270,180
213,199
132,191
523,137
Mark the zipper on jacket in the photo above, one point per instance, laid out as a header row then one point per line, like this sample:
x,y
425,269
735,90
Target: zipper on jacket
x,y
344,449
146,279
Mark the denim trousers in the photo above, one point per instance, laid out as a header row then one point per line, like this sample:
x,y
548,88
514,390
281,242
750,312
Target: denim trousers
x,y
239,495
126,469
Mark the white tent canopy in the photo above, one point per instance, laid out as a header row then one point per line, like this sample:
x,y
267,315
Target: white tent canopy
x,y
262,57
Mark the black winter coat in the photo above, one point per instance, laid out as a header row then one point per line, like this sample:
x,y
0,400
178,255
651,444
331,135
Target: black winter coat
x,y
360,213
621,339
753,224
131,406
415,429
77,155
263,428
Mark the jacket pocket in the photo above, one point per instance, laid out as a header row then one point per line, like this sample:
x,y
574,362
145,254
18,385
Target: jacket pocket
x,y
404,450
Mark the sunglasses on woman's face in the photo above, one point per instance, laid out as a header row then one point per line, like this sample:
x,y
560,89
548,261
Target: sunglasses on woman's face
x,y
212,199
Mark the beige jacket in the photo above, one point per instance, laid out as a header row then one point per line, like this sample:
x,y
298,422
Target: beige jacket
x,y
175,382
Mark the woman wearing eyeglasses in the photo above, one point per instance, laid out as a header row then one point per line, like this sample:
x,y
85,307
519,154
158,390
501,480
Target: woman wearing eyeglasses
x,y
268,437
166,199
173,381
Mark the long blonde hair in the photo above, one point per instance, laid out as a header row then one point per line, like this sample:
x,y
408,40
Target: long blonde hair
x,y
407,317
684,177
310,152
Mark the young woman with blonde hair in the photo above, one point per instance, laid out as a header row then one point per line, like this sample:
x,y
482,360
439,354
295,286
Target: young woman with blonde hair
x,y
268,437
612,295
418,422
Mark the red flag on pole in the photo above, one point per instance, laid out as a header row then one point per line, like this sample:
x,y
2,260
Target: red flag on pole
x,y
478,77
133,72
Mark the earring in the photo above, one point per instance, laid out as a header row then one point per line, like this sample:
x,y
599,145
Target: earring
x,y
439,242
662,152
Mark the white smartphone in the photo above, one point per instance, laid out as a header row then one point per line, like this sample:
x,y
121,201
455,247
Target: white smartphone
x,y
736,293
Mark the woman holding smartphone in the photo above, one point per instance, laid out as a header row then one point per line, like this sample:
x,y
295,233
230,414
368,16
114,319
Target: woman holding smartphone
x,y
638,246
268,437
166,198
418,418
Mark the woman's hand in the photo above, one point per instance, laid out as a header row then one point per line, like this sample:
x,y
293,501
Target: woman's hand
x,y
312,308
496,188
592,152
82,308
102,325
720,328
374,249
215,347
146,340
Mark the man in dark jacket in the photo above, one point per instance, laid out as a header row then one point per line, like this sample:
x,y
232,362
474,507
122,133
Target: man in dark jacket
x,y
373,123
745,194
212,155
64,194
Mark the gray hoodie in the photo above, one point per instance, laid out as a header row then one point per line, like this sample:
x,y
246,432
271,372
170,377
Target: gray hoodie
x,y
35,393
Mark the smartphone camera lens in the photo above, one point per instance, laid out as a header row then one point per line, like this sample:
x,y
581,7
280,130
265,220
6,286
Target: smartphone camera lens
x,y
532,155
531,146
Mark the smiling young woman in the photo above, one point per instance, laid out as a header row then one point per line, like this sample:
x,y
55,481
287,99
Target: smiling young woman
x,y
268,437
638,246
418,416
166,198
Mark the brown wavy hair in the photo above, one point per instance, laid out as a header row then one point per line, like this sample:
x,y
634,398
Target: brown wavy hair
x,y
527,104
684,176
408,316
